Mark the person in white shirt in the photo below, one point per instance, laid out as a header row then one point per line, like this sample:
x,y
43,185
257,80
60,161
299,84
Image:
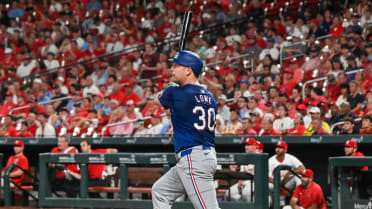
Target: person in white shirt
x,y
252,108
156,124
284,122
288,180
26,67
233,37
270,50
45,130
223,109
49,47
50,62
90,87
243,190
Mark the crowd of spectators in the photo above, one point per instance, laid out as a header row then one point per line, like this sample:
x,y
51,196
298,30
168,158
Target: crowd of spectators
x,y
45,45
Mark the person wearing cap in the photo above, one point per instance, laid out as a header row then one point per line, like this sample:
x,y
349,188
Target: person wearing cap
x,y
130,95
45,130
223,109
67,176
324,127
308,194
351,149
20,159
26,67
35,106
193,110
288,180
243,190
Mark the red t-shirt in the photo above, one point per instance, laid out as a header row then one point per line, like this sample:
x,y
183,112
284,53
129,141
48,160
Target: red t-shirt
x,y
309,196
95,170
297,131
22,162
273,132
70,167
359,154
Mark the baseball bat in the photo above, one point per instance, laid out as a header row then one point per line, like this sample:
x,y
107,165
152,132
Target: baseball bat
x,y
185,30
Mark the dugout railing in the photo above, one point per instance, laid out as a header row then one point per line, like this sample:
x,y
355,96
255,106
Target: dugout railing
x,y
350,186
124,160
10,186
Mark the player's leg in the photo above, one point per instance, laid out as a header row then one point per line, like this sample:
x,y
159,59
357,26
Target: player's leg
x,y
166,190
235,195
196,171
248,187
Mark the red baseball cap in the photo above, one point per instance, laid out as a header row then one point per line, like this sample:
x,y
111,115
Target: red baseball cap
x,y
259,145
19,143
282,144
301,107
308,173
351,143
251,141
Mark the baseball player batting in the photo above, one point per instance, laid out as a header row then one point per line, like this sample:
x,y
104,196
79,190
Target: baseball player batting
x,y
193,115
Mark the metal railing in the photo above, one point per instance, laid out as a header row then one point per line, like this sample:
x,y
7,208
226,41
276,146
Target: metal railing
x,y
302,42
40,103
230,59
341,123
125,122
324,78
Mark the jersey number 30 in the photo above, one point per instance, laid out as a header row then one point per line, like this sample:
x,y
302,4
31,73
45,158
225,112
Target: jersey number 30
x,y
205,119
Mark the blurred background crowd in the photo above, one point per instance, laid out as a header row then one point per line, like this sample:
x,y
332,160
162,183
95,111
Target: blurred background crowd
x,y
275,67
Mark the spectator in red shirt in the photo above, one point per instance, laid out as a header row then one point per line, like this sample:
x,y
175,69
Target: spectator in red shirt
x,y
267,128
246,129
95,171
333,89
67,175
23,132
35,107
299,128
308,194
20,159
130,95
7,104
8,125
31,121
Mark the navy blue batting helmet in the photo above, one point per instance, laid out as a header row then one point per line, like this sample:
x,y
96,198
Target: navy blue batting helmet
x,y
189,59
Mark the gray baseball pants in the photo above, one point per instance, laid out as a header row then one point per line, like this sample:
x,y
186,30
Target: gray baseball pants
x,y
193,174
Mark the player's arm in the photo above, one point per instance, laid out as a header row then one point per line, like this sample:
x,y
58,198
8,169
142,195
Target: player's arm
x,y
293,203
299,169
313,206
111,150
16,173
